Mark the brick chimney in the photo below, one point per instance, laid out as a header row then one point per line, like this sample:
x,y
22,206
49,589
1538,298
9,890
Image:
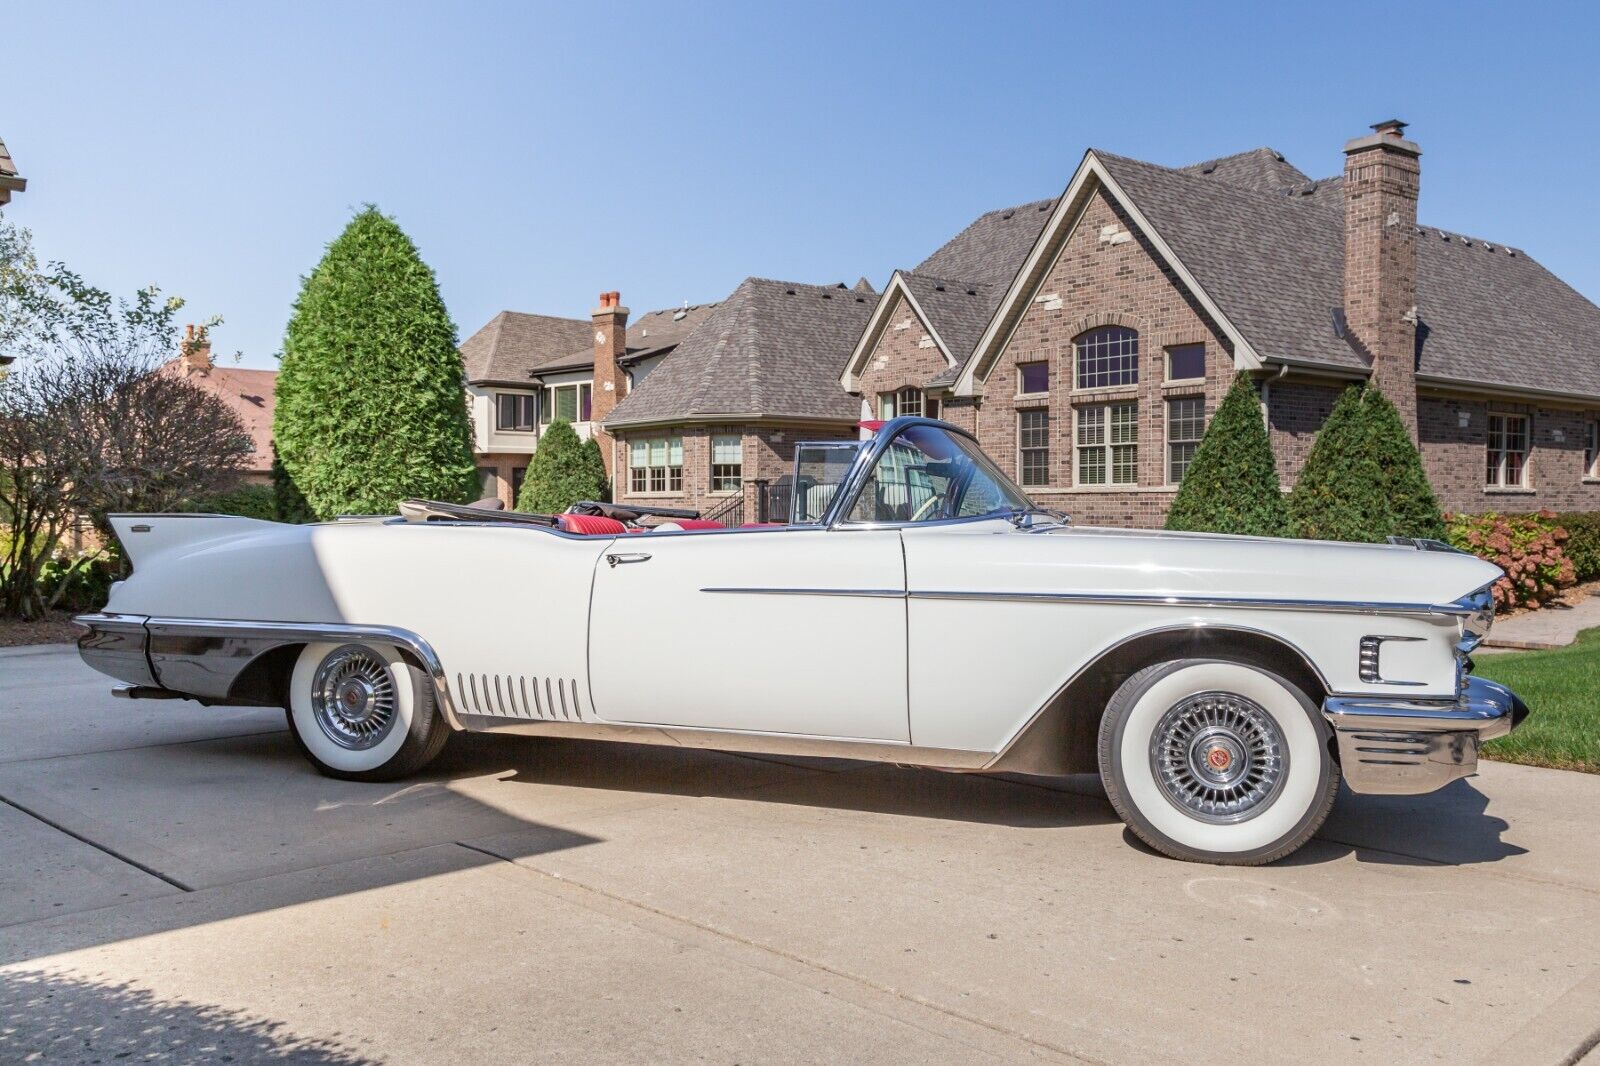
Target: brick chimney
x,y
610,382
195,351
1381,173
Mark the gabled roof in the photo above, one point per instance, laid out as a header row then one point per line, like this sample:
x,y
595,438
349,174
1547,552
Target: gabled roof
x,y
953,312
10,180
512,345
772,349
1267,262
1261,169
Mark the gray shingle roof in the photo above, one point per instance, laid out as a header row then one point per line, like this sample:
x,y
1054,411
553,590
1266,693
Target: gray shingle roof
x,y
512,344
1261,169
772,349
650,334
957,310
989,251
1274,262
10,179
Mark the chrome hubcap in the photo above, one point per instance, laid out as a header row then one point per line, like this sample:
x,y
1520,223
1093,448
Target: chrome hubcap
x,y
1219,757
353,697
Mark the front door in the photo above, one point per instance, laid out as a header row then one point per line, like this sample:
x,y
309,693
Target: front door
x,y
797,631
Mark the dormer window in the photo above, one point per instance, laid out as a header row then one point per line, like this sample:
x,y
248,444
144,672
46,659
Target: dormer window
x,y
1106,358
906,401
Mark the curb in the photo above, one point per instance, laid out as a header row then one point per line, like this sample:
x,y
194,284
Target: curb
x,y
20,650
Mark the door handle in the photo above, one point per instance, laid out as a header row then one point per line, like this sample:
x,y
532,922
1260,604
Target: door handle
x,y
627,557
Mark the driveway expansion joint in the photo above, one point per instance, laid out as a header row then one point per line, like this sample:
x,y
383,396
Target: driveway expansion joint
x,y
95,844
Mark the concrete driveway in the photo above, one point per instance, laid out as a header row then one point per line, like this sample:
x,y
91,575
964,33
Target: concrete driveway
x,y
175,880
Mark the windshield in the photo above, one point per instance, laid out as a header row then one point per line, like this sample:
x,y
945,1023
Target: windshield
x,y
927,474
819,468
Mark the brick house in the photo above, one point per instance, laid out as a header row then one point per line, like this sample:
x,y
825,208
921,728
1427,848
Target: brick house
x,y
250,394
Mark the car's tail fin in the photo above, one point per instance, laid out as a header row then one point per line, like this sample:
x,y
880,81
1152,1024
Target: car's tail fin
x,y
147,536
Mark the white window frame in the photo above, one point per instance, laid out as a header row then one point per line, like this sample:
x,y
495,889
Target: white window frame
x,y
664,479
1078,354
1496,478
1166,355
1169,401
579,389
720,482
1105,445
1591,451
1022,450
1033,362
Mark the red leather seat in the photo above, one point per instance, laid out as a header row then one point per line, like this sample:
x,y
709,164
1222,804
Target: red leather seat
x,y
590,525
698,523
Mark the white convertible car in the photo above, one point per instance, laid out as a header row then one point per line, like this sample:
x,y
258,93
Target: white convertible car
x,y
916,609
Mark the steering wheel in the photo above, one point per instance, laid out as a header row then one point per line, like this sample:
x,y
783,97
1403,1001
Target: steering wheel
x,y
921,513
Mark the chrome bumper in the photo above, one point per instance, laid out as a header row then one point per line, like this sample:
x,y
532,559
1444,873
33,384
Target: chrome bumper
x,y
1393,747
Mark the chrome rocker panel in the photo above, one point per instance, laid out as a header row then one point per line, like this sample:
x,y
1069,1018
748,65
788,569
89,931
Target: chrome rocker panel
x,y
1392,747
202,658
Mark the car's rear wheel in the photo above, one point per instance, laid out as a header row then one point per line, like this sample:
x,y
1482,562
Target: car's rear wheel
x,y
362,712
1216,761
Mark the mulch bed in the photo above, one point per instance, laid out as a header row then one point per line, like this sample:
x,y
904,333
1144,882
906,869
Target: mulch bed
x,y
56,628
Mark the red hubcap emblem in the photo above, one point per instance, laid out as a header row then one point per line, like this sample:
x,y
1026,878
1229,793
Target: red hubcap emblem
x,y
1219,759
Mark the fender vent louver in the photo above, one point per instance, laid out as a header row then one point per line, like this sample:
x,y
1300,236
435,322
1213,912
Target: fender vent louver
x,y
519,696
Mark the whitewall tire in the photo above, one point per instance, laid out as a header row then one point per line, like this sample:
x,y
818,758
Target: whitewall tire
x,y
362,712
1216,761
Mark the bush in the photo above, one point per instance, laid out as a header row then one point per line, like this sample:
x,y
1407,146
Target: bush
x,y
1363,480
1232,484
250,501
289,504
79,583
563,470
1526,547
1583,542
372,404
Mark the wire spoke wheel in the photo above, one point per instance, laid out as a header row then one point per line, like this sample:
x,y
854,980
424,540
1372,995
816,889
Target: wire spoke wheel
x,y
353,697
1219,757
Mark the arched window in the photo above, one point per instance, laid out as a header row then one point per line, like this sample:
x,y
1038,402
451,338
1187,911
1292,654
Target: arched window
x,y
1106,357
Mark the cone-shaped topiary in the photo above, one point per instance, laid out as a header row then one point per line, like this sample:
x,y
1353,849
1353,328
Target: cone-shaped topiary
x,y
1341,493
1412,505
371,397
563,471
288,505
1232,484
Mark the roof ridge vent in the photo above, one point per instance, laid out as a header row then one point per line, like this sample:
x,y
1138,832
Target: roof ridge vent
x,y
1007,215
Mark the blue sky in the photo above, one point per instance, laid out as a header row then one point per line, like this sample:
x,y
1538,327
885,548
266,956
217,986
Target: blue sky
x,y
541,154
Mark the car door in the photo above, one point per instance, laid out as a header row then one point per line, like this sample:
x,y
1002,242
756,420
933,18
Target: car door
x,y
796,631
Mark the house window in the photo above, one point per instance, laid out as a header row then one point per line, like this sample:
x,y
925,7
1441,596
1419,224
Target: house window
x,y
519,474
488,482
1186,424
1186,362
906,401
1106,358
1108,444
1033,446
515,410
656,465
1507,452
1033,378
727,463
569,403
1591,451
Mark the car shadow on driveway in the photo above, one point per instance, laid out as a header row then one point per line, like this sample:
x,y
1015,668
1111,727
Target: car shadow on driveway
x,y
1450,827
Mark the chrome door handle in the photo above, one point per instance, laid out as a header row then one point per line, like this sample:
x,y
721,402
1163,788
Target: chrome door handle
x,y
627,557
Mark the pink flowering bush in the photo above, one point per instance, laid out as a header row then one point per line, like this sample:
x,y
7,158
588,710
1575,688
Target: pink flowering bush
x,y
1527,547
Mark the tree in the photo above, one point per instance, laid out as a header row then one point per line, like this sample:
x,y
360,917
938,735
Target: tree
x,y
1413,508
371,395
288,505
1341,494
563,471
89,424
1231,486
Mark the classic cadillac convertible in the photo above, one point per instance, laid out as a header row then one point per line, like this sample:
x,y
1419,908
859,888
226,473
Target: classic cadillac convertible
x,y
916,608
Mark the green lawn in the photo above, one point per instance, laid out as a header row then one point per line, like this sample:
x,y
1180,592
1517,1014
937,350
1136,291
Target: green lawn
x,y
1563,689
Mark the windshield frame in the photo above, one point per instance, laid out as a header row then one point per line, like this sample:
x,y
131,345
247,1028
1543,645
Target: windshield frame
x,y
855,480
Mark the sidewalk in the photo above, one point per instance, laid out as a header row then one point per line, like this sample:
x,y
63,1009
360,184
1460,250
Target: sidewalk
x,y
1550,627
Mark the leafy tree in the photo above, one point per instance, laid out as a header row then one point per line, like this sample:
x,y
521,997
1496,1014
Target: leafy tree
x,y
288,505
1413,508
1232,484
1363,480
563,471
89,424
371,397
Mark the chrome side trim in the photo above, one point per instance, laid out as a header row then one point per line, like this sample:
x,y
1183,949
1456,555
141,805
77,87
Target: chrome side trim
x,y
882,594
1248,603
1120,599
728,740
286,632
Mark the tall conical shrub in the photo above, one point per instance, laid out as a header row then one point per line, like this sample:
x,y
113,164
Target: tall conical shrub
x,y
563,471
371,397
1231,486
1413,508
1341,494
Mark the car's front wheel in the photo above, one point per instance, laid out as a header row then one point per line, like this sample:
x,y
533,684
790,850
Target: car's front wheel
x,y
363,713
1210,760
